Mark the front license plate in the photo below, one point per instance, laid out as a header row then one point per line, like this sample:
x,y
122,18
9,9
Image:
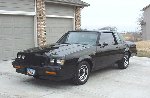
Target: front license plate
x,y
30,71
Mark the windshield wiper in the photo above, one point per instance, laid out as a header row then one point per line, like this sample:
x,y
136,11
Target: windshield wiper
x,y
65,43
80,43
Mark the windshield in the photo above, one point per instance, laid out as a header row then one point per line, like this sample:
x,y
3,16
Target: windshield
x,y
80,38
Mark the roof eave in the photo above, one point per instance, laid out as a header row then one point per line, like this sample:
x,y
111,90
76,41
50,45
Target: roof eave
x,y
146,7
67,3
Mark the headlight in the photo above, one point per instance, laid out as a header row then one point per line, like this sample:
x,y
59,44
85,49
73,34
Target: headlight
x,y
19,56
23,56
59,61
52,61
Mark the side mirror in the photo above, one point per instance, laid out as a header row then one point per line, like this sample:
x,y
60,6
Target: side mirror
x,y
100,44
105,44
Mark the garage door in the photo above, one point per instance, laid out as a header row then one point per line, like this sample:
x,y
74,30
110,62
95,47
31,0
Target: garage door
x,y
16,34
56,27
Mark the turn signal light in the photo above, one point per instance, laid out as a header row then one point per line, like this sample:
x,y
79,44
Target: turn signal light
x,y
17,67
50,73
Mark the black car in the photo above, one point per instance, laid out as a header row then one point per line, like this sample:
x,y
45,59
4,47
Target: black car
x,y
74,56
132,47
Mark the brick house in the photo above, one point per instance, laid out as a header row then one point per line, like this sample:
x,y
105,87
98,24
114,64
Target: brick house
x,y
145,23
29,23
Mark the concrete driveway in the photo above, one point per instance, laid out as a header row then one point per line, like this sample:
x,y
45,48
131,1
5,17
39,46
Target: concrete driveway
x,y
133,82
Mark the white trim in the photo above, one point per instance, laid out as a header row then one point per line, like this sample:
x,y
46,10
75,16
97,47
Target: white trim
x,y
35,32
74,19
17,12
57,16
35,28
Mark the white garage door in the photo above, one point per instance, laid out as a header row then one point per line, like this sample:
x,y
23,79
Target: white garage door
x,y
16,34
56,27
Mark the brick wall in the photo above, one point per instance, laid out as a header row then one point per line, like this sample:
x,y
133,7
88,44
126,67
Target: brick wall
x,y
77,18
41,22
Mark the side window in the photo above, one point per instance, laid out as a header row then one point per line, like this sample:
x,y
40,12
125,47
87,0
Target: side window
x,y
107,38
118,39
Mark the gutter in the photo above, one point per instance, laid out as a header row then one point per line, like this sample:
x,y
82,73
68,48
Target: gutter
x,y
68,3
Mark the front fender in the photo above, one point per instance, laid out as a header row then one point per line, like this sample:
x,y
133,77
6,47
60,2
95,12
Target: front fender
x,y
84,58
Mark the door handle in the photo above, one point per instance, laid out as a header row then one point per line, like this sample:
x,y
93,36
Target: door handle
x,y
94,53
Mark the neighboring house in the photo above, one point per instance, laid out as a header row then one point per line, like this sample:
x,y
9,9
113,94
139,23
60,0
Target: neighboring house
x,y
145,23
29,23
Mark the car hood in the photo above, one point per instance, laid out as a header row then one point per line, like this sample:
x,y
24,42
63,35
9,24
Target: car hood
x,y
58,50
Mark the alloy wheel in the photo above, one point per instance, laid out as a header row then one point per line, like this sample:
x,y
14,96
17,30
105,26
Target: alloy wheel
x,y
83,73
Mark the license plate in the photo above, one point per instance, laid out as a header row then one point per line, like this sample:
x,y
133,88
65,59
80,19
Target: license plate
x,y
30,71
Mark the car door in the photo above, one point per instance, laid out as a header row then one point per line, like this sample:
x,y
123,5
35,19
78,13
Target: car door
x,y
120,46
106,50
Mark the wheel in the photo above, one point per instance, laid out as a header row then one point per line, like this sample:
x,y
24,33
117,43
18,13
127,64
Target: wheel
x,y
124,63
82,73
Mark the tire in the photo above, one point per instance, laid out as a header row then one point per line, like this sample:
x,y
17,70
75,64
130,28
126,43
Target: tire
x,y
82,73
124,63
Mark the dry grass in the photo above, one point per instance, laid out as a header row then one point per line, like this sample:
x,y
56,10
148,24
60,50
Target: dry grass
x,y
143,54
143,48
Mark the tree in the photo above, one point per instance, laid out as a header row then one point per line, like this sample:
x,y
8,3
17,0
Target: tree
x,y
141,21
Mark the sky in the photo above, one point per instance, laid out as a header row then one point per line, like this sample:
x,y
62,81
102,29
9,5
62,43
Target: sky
x,y
122,14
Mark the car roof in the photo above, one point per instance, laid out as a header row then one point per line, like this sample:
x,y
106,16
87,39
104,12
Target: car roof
x,y
94,31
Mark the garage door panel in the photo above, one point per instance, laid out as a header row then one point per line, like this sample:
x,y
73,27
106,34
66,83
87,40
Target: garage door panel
x,y
24,41
8,54
5,21
22,33
21,41
6,25
17,5
20,48
17,33
18,25
57,9
52,39
27,30
6,29
7,43
56,27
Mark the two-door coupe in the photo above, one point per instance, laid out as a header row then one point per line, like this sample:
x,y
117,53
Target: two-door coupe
x,y
74,56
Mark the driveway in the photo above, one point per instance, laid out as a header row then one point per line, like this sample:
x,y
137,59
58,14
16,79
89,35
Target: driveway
x,y
133,82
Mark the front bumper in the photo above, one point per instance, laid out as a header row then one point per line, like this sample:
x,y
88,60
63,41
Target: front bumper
x,y
48,72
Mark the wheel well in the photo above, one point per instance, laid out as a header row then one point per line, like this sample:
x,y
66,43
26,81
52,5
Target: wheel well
x,y
129,53
90,62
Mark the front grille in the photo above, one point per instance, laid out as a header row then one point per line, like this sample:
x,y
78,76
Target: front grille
x,y
35,59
